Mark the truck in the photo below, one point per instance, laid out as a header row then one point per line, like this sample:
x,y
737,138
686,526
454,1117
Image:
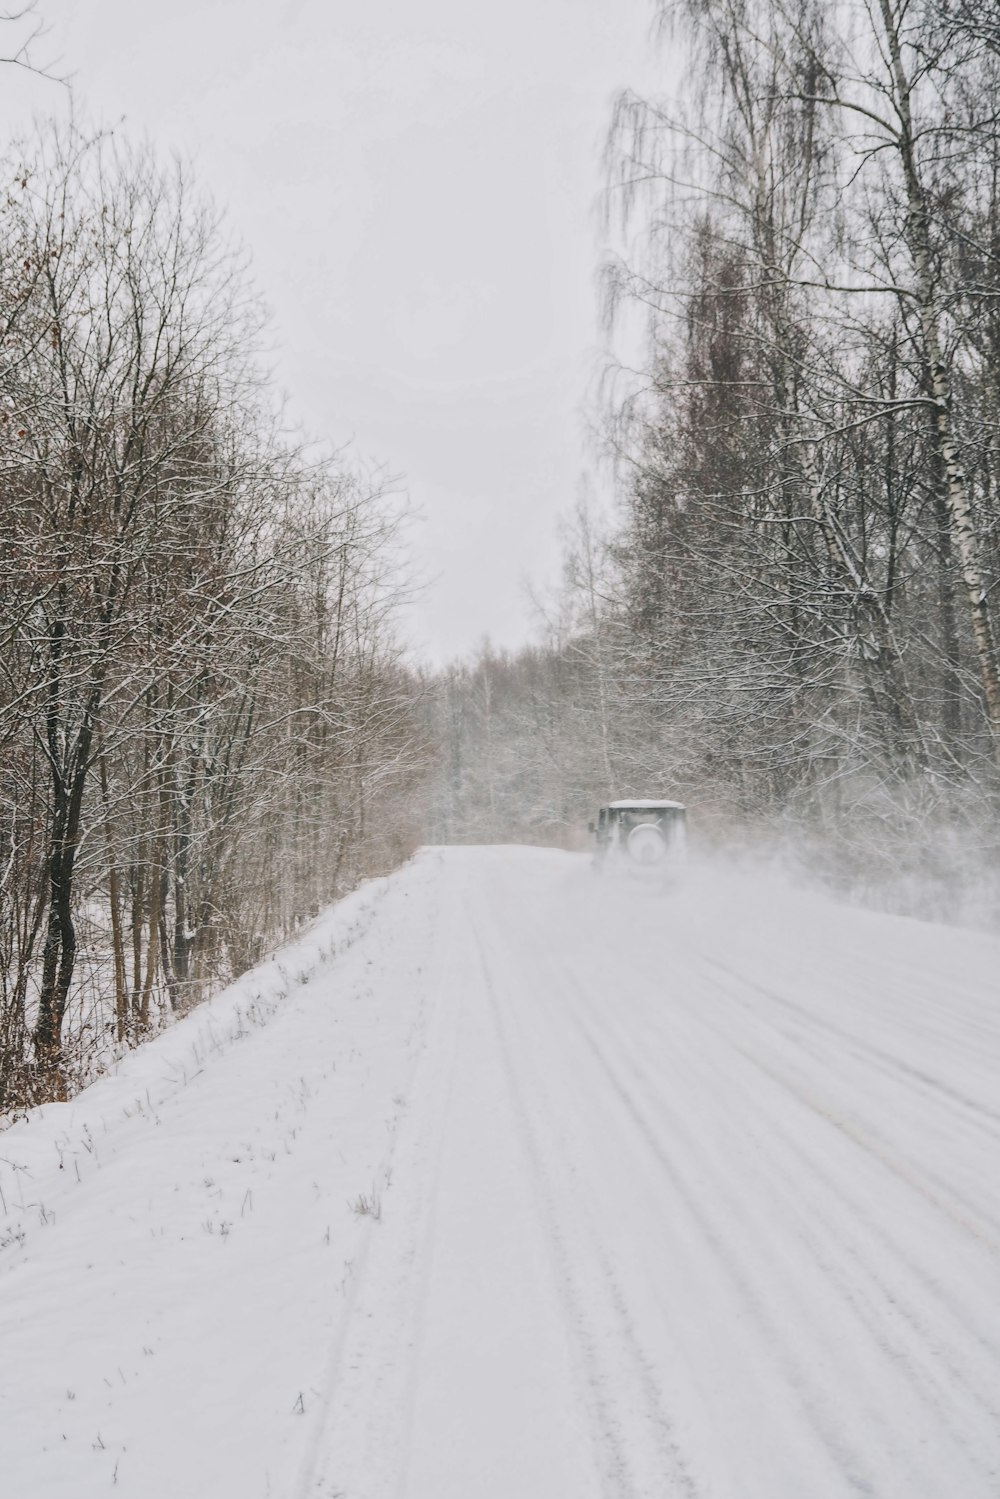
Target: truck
x,y
642,837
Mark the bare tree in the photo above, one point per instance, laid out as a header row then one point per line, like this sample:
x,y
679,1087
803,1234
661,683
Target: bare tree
x,y
207,725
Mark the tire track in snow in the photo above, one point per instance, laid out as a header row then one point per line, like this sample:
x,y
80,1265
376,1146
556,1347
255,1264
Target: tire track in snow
x,y
921,1081
619,1378
814,1034
379,1461
947,1366
371,1444
793,1371
853,1210
844,1464
890,1301
877,1306
614,1377
933,1382
968,1213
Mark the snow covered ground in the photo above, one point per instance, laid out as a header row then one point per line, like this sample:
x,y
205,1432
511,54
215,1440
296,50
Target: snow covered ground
x,y
510,1182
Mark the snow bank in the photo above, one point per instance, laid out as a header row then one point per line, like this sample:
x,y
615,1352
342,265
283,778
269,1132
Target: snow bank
x,y
73,1136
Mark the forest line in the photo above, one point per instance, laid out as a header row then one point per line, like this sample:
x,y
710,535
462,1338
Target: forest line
x,y
202,689
789,620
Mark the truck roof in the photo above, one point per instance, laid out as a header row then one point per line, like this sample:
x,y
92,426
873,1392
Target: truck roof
x,y
646,806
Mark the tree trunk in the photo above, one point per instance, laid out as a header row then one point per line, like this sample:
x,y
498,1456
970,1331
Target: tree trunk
x,y
59,952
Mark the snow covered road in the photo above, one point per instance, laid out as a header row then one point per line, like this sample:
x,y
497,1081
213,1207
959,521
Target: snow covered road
x,y
533,1186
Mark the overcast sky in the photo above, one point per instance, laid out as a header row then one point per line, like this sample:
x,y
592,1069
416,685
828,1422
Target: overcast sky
x,y
417,182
